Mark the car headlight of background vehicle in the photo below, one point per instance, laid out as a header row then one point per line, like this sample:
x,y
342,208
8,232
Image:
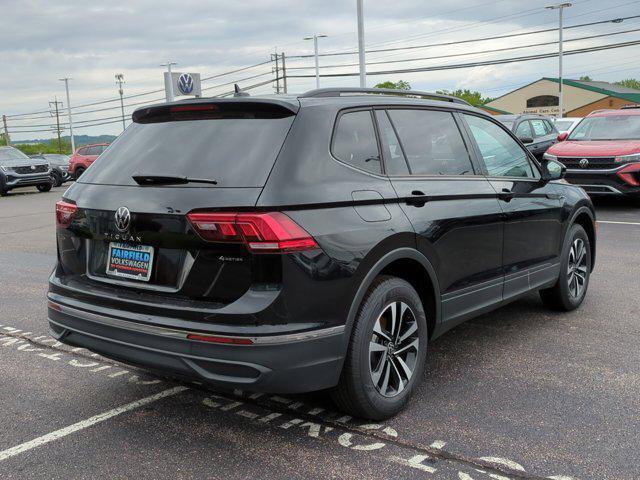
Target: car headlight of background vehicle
x,y
548,156
634,157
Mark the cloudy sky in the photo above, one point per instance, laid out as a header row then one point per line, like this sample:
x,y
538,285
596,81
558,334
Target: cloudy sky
x,y
42,41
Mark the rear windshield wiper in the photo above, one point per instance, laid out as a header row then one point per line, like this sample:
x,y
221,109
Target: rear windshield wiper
x,y
142,179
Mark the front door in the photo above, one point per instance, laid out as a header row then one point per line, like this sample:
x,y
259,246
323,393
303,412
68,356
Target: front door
x,y
532,208
451,205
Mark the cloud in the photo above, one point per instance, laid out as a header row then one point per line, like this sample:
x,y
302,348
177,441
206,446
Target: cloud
x,y
42,41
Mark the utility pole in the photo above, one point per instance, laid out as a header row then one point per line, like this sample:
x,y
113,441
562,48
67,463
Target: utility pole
x,y
168,80
274,56
284,73
363,67
6,131
560,7
120,81
315,38
66,86
54,105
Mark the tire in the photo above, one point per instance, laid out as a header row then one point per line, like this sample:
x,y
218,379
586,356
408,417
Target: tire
x,y
78,173
568,293
370,358
57,179
44,187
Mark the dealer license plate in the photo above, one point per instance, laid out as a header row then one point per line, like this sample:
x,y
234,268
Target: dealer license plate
x,y
130,261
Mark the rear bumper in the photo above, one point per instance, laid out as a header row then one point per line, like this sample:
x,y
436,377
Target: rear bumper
x,y
292,363
601,182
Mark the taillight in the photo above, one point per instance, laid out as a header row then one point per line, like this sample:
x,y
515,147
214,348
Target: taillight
x,y
64,213
630,174
272,232
223,340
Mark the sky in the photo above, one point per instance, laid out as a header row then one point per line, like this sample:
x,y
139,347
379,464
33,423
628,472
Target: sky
x,y
90,42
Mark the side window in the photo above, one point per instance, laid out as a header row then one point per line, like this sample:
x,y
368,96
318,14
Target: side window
x,y
355,143
539,128
394,161
502,155
432,142
550,127
524,130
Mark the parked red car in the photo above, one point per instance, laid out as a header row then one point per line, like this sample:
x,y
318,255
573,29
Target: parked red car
x,y
83,157
602,153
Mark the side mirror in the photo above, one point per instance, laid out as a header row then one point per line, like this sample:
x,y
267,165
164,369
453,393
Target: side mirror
x,y
563,136
526,140
552,170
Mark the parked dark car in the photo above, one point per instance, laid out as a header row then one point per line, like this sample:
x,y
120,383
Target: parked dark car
x,y
298,243
18,170
537,132
602,153
59,167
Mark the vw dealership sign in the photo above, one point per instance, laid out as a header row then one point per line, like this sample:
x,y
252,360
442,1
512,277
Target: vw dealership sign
x,y
182,84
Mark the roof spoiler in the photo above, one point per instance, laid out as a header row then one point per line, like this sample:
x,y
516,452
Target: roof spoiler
x,y
339,92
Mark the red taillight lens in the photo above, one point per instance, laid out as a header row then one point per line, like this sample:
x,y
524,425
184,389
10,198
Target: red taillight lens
x,y
64,213
272,232
630,174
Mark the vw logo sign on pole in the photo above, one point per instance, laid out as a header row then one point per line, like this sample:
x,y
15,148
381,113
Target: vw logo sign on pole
x,y
123,219
185,84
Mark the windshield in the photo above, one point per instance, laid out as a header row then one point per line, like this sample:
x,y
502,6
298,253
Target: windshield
x,y
10,156
237,152
617,127
563,125
56,158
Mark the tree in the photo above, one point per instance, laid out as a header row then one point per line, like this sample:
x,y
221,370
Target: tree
x,y
629,83
475,98
399,85
585,78
50,146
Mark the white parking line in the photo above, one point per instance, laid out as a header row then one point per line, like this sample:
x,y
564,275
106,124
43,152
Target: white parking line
x,y
618,223
63,432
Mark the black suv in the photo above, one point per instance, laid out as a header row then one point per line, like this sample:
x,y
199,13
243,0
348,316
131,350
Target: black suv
x,y
537,132
298,243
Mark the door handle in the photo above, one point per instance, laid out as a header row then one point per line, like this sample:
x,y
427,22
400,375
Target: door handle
x,y
420,199
506,195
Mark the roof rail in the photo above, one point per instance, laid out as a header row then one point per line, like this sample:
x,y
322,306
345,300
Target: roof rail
x,y
338,92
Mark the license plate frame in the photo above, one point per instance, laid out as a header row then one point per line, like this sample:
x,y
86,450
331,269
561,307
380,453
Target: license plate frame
x,y
133,262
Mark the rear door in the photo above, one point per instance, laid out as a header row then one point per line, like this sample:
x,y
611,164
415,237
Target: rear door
x,y
451,205
139,237
533,229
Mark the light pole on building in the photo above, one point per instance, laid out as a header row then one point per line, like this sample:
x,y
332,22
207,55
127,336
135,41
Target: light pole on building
x,y
315,38
168,80
120,81
66,86
560,7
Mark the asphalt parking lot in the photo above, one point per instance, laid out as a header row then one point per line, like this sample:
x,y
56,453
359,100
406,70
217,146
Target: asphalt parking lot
x,y
522,392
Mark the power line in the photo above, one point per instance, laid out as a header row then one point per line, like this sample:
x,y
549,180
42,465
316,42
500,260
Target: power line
x,y
481,63
472,40
504,49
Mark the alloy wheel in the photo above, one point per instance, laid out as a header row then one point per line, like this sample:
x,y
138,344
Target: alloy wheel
x,y
577,268
393,349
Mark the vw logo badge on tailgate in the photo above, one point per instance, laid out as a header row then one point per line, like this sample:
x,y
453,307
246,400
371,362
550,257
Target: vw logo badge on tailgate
x,y
185,84
123,219
584,163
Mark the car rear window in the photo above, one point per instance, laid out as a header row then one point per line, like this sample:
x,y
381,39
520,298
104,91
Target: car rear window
x,y
237,150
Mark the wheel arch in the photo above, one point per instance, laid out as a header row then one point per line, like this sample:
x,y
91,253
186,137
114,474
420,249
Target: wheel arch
x,y
412,266
584,217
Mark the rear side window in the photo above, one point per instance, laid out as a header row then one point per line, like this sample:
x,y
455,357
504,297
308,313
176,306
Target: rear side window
x,y
355,143
237,149
432,142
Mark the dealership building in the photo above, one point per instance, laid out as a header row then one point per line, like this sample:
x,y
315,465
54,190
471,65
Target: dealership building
x,y
580,97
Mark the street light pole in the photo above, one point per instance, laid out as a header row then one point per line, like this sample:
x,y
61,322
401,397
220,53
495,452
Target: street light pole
x,y
66,86
168,82
120,81
560,7
315,52
363,68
